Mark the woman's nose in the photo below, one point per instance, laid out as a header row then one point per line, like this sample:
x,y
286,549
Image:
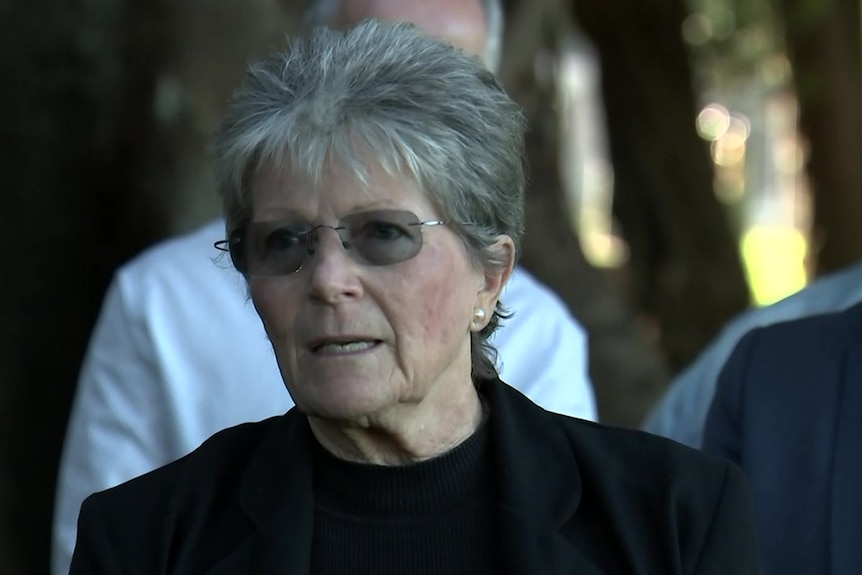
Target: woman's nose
x,y
333,273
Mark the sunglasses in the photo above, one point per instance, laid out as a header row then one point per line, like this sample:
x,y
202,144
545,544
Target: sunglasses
x,y
278,248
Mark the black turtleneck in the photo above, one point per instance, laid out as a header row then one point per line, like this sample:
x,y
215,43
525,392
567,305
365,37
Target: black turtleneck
x,y
433,517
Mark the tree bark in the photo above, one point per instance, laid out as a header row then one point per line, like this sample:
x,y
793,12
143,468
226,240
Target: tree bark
x,y
684,264
823,40
103,122
628,373
59,229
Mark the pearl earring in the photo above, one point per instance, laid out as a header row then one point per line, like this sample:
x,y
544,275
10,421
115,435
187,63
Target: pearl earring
x,y
478,314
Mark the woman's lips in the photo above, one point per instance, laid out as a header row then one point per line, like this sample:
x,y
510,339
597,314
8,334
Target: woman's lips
x,y
344,347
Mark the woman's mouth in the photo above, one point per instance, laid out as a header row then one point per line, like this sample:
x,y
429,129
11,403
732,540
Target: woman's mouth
x,y
344,347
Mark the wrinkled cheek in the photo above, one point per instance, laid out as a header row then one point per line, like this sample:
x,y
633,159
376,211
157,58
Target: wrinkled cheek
x,y
272,303
443,309
276,306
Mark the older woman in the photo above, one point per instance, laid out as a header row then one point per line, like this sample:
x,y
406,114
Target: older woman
x,y
373,186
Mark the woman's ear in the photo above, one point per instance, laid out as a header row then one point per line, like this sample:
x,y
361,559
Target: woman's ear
x,y
502,253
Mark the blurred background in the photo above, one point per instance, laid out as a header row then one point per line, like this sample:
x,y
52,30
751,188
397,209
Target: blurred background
x,y
688,159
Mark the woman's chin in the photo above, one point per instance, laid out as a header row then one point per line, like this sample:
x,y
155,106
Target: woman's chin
x,y
352,401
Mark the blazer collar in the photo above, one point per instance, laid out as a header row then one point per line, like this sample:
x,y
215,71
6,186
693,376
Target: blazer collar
x,y
539,485
846,505
277,497
539,489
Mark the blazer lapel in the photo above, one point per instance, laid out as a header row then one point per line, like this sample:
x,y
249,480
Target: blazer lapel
x,y
539,488
846,508
276,495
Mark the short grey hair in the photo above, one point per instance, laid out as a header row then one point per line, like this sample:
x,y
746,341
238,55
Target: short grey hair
x,y
316,13
420,106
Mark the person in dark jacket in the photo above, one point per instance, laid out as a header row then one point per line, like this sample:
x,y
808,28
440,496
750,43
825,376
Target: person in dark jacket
x,y
788,410
373,193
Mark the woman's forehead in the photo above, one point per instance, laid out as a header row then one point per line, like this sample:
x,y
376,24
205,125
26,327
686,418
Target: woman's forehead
x,y
281,188
360,165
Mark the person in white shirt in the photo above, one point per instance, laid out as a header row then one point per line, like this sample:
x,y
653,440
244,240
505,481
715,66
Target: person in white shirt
x,y
681,413
179,353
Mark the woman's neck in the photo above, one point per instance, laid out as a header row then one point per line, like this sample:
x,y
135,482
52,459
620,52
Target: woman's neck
x,y
405,433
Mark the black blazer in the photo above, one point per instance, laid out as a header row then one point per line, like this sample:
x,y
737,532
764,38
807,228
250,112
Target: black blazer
x,y
788,409
575,497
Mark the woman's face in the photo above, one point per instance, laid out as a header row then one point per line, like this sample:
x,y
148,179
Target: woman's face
x,y
354,341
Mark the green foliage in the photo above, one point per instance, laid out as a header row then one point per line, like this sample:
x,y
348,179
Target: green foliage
x,y
734,41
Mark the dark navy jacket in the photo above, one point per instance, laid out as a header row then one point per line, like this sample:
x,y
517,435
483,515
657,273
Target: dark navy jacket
x,y
788,409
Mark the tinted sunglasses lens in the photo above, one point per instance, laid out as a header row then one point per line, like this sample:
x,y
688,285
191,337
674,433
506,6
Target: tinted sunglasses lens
x,y
236,248
383,237
275,248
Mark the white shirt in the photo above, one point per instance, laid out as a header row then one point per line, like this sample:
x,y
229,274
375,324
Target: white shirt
x,y
179,353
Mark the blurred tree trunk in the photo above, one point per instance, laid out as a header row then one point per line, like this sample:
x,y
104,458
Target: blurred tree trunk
x,y
684,267
60,223
103,116
627,372
685,271
823,40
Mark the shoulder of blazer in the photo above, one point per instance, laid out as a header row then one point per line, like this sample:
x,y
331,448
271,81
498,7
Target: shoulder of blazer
x,y
602,489
611,459
828,331
611,450
218,461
